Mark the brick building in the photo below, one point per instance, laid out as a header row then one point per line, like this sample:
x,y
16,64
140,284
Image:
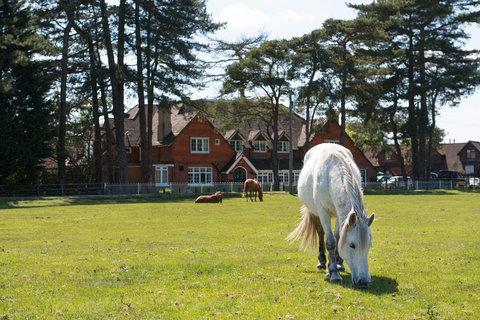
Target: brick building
x,y
188,148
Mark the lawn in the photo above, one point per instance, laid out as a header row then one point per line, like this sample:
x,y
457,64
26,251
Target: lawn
x,y
152,259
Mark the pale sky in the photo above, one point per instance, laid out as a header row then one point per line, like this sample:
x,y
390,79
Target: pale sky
x,y
286,19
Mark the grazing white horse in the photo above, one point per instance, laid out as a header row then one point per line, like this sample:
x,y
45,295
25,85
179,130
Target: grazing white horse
x,y
330,186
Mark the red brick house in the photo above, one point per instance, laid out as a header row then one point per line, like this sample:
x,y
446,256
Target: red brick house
x,y
188,148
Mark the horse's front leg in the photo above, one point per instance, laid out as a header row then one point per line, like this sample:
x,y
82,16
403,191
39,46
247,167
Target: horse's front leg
x,y
331,243
322,259
337,256
255,195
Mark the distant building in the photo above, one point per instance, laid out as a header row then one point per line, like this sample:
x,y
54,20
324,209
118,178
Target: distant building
x,y
189,148
462,157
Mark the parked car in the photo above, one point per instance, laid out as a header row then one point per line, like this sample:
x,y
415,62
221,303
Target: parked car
x,y
398,182
456,177
382,177
474,182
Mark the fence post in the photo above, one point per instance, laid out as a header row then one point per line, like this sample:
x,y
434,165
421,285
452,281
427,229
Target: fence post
x,y
451,184
416,185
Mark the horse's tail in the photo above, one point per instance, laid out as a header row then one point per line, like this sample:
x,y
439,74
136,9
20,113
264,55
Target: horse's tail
x,y
306,231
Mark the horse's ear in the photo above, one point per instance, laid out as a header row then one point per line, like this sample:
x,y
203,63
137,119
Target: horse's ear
x,y
352,218
370,220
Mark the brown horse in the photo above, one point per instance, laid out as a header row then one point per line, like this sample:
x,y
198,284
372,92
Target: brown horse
x,y
213,198
252,187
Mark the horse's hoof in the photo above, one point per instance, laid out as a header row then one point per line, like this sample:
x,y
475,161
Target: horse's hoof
x,y
321,266
335,278
340,268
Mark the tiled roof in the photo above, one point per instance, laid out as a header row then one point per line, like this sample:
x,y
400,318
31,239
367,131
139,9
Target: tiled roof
x,y
451,150
181,115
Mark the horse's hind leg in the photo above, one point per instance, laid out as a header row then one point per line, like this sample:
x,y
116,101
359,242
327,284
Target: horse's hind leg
x,y
322,259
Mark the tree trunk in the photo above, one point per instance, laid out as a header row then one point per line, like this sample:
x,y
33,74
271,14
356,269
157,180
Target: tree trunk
x,y
431,132
62,112
412,121
276,182
103,97
343,97
116,79
423,118
141,97
394,129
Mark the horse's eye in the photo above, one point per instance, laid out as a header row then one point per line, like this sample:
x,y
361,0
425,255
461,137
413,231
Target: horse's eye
x,y
352,245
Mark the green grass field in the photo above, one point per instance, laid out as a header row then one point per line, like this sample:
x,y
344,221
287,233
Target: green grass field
x,y
150,259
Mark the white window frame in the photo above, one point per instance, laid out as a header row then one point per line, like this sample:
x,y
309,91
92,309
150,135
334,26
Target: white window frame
x,y
161,171
264,176
237,145
284,177
195,176
256,145
469,169
284,146
205,141
217,142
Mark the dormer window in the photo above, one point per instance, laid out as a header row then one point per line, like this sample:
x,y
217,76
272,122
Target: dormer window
x,y
260,145
471,154
388,155
283,146
237,145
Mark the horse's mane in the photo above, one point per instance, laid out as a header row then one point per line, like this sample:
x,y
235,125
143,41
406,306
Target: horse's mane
x,y
352,182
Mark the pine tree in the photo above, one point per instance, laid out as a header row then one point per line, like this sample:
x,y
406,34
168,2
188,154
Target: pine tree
x,y
26,111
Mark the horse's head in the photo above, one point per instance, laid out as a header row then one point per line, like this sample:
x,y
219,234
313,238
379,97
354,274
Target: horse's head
x,y
354,243
260,193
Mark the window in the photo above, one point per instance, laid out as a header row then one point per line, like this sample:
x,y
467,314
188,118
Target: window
x,y
388,155
331,141
283,177
283,146
470,154
237,145
217,142
265,176
200,145
260,145
161,175
469,169
198,175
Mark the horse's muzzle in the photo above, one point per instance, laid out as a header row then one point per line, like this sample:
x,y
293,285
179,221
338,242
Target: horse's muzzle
x,y
361,284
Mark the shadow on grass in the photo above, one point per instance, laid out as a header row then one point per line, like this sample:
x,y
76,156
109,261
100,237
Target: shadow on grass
x,y
35,202
380,284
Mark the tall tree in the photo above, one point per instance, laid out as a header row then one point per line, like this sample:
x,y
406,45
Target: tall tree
x,y
27,111
267,71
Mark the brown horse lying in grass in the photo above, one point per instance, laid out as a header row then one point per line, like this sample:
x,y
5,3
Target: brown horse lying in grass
x,y
213,198
253,187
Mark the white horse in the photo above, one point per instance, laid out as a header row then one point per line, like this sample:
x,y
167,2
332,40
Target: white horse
x,y
330,186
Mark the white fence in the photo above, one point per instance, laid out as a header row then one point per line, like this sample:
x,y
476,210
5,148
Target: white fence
x,y
192,190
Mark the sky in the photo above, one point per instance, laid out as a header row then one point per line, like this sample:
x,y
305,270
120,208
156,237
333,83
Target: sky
x,y
286,19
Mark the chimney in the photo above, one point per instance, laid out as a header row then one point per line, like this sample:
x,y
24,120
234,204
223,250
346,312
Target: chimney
x,y
164,123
